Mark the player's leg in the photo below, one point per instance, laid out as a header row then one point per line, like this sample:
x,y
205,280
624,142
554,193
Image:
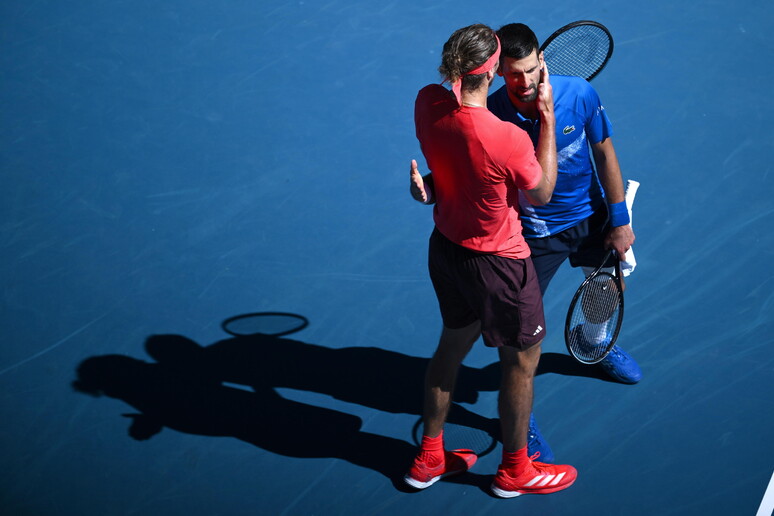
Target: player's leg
x,y
433,461
441,375
519,473
516,393
548,254
512,319
460,331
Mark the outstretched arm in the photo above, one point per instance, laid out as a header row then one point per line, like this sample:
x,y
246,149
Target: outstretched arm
x,y
621,236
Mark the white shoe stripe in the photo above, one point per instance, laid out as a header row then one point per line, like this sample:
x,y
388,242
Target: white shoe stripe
x,y
558,478
546,481
533,481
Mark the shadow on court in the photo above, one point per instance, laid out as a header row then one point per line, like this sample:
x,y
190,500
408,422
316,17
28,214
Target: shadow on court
x,y
229,389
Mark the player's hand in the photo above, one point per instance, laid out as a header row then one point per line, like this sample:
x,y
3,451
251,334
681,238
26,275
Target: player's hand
x,y
417,187
545,98
620,239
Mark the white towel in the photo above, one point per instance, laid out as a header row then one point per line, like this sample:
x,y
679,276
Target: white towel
x,y
629,263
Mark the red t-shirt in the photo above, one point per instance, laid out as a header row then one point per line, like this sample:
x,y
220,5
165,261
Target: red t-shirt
x,y
478,162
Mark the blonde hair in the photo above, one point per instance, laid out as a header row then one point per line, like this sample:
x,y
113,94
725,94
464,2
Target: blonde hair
x,y
467,49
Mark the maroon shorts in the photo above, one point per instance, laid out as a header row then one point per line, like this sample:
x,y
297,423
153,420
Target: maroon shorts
x,y
503,293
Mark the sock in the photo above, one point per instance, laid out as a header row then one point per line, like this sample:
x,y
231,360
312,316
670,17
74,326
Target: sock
x,y
595,333
431,450
516,462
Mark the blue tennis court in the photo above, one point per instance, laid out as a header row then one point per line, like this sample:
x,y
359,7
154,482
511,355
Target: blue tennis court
x,y
206,220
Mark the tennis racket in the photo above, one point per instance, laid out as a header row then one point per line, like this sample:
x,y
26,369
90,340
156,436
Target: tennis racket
x,y
581,48
595,314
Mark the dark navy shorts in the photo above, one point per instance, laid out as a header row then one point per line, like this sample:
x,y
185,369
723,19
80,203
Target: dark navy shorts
x,y
583,244
503,293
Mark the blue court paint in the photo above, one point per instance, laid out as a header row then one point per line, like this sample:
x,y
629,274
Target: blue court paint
x,y
170,166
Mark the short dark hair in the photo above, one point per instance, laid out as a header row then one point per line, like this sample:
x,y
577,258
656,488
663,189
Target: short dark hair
x,y
467,49
517,41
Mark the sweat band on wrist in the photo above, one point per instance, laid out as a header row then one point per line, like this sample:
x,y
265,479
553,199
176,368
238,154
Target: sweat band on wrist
x,y
619,214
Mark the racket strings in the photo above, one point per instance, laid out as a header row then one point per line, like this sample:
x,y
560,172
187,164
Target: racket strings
x,y
580,51
599,300
594,319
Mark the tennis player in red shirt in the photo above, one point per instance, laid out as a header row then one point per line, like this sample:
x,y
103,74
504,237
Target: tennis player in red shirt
x,y
478,260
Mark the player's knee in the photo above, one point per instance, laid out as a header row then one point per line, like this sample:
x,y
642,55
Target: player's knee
x,y
522,361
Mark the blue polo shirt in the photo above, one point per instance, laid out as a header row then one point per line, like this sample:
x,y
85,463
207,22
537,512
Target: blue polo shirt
x,y
580,120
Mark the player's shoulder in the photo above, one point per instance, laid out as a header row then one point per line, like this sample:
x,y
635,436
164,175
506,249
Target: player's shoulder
x,y
434,98
433,91
573,92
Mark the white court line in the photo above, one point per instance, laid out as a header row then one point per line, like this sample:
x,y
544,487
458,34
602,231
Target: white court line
x,y
767,504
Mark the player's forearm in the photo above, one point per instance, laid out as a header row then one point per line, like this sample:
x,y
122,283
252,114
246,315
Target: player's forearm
x,y
609,171
546,156
546,152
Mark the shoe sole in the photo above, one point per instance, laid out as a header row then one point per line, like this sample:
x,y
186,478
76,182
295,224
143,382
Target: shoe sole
x,y
543,490
418,484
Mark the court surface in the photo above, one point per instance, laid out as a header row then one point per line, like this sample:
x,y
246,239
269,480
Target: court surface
x,y
175,171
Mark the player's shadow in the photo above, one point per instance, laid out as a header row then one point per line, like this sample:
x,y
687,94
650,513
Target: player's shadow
x,y
230,389
565,365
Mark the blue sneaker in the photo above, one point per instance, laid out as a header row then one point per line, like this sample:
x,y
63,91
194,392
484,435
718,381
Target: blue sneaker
x,y
620,366
536,444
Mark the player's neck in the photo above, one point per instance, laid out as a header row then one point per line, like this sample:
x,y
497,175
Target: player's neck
x,y
475,98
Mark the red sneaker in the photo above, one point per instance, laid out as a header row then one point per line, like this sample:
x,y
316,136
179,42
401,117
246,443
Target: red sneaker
x,y
421,475
540,478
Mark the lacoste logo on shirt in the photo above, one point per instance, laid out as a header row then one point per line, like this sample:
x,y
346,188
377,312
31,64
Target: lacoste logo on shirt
x,y
568,129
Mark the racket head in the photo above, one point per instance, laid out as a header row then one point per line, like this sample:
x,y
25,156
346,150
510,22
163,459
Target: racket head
x,y
276,324
581,48
595,316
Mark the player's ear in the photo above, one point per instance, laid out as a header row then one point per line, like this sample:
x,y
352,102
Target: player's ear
x,y
500,68
540,58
